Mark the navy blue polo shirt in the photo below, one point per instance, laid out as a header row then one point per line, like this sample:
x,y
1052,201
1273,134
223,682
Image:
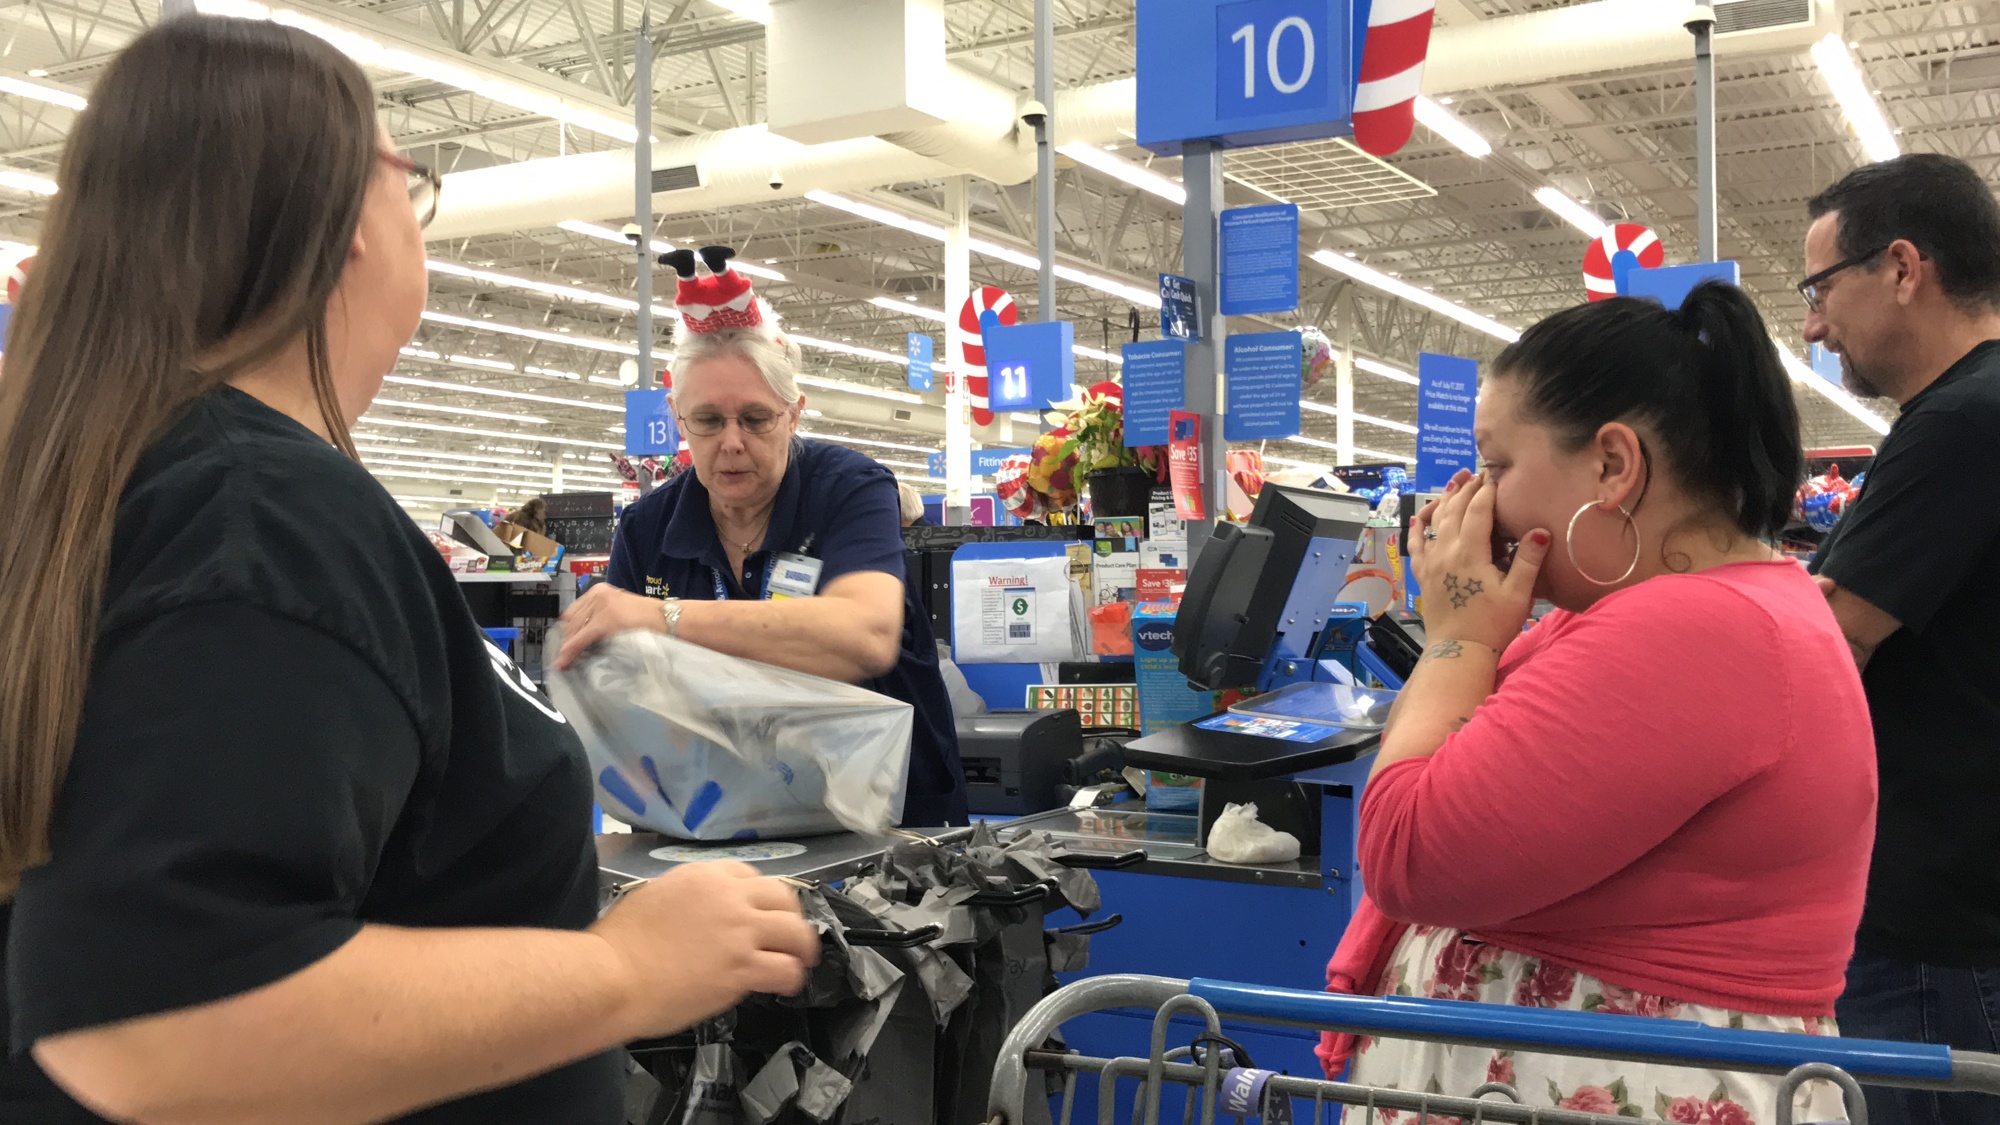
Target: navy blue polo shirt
x,y
839,507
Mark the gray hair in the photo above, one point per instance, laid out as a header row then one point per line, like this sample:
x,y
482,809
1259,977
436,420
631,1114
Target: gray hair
x,y
913,504
774,357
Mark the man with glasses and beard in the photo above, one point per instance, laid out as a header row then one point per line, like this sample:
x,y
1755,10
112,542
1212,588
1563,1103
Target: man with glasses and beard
x,y
1903,283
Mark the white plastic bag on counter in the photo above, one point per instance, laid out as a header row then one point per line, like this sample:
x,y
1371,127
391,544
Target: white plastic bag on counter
x,y
1237,836
699,745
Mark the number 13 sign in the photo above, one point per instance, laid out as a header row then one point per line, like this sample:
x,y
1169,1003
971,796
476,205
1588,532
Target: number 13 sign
x,y
1244,72
649,424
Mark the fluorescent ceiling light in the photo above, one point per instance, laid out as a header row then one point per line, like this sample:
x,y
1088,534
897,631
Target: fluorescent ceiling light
x,y
1375,367
1446,124
476,361
41,93
911,308
546,288
1370,419
858,389
553,373
421,353
495,392
469,412
593,230
850,349
1571,212
1857,102
430,503
1396,287
1359,451
369,52
1800,373
870,442
1287,462
758,11
474,431
380,464
440,455
1094,353
1145,179
531,333
27,181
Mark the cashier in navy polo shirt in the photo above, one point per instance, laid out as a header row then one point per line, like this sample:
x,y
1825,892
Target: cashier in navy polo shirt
x,y
778,549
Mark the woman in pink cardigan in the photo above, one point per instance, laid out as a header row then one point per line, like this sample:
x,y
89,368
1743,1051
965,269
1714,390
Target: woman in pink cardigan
x,y
1660,800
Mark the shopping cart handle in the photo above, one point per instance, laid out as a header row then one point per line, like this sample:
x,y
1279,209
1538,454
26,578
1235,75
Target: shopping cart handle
x,y
1581,1033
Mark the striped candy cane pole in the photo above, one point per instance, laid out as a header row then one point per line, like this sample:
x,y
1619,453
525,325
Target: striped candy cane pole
x,y
1392,74
1600,261
989,298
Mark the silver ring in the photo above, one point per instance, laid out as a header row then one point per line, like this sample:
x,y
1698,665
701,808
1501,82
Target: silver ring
x,y
1430,533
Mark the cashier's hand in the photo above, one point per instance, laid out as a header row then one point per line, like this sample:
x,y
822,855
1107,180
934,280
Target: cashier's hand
x,y
604,610
695,941
1466,596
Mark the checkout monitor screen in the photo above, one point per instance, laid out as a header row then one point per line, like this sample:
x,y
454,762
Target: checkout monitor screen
x,y
1240,582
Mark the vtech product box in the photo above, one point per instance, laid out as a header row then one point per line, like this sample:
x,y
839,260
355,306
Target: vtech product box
x,y
1165,700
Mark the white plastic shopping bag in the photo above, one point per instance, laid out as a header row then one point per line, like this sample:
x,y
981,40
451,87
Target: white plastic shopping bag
x,y
700,745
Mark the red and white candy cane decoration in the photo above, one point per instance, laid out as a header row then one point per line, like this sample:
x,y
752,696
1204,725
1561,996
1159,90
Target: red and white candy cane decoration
x,y
1600,277
993,299
1392,73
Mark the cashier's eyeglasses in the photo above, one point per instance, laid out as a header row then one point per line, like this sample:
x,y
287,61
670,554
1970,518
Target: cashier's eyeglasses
x,y
425,186
1814,289
708,423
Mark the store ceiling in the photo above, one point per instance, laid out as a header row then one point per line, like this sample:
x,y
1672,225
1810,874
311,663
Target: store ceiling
x,y
1464,228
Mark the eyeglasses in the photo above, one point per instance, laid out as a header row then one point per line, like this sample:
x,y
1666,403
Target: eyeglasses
x,y
708,423
425,186
1815,288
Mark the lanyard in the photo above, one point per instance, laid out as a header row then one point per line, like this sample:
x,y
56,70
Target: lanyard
x,y
722,588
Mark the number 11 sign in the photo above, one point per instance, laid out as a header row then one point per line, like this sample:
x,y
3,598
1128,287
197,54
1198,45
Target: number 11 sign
x,y
1245,72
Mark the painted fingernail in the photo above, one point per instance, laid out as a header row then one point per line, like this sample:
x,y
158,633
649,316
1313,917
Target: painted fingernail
x,y
1539,538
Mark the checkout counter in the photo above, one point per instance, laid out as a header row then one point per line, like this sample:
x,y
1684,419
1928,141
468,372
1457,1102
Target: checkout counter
x,y
1259,614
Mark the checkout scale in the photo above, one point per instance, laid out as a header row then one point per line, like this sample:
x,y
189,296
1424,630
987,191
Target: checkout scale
x,y
1259,613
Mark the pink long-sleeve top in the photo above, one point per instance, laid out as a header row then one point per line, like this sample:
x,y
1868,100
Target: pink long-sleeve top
x,y
1673,791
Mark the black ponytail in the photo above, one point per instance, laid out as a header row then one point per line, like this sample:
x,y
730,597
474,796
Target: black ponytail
x,y
1704,382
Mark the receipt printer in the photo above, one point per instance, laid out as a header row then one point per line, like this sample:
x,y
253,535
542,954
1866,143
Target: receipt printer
x,y
1014,759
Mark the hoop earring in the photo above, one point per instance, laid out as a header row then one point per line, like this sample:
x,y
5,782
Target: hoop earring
x,y
1569,544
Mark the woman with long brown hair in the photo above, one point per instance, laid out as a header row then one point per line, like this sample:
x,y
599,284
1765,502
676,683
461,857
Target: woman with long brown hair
x,y
282,838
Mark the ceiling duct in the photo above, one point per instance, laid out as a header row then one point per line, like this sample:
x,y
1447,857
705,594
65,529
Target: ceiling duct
x,y
677,177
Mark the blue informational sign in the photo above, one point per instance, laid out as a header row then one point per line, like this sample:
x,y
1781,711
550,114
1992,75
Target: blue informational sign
x,y
935,463
1824,363
1155,381
1261,386
1447,391
1670,285
649,424
1180,315
1028,366
921,349
1260,259
985,462
1246,72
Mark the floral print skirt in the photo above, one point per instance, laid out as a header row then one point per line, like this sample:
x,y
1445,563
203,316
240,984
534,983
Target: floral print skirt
x,y
1447,965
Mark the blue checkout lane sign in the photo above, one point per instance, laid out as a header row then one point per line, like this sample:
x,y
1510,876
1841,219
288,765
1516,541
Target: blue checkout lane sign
x,y
1246,72
1670,285
985,462
649,424
1447,392
1180,314
921,349
1155,379
1261,386
1260,259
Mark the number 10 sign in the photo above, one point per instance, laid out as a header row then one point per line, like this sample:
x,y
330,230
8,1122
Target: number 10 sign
x,y
1244,72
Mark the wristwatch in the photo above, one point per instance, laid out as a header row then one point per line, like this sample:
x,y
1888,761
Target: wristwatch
x,y
670,608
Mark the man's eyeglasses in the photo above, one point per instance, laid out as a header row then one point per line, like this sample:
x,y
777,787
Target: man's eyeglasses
x,y
425,186
1814,288
708,423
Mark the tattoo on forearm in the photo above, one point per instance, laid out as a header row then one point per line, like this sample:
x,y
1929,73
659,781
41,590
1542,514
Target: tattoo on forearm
x,y
1459,723
1462,590
1443,650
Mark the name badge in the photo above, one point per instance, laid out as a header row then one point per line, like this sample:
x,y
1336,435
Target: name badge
x,y
792,576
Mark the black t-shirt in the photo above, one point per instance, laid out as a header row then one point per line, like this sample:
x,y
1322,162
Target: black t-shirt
x,y
1923,545
842,509
293,729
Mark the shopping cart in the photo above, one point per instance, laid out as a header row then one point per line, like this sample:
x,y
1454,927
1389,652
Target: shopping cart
x,y
1215,1087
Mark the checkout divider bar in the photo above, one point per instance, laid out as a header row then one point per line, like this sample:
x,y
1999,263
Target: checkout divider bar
x,y
1602,1035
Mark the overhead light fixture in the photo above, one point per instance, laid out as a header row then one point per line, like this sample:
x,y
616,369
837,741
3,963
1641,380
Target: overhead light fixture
x,y
870,442
495,392
1095,353
1145,179
1370,419
478,361
1145,297
1857,103
593,344
911,308
1287,462
606,234
1446,125
1800,373
369,52
1375,278
850,349
858,389
470,412
1374,367
394,472
378,464
41,93
554,373
1359,451
26,181
1571,212
440,455
757,11
475,431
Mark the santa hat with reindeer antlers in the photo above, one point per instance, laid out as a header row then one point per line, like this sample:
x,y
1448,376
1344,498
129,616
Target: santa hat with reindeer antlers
x,y
720,299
